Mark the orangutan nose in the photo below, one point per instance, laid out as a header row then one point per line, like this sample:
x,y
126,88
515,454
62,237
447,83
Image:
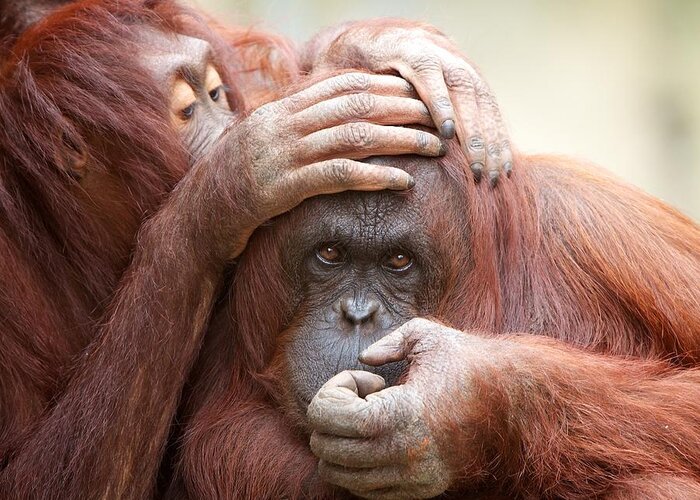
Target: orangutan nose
x,y
356,312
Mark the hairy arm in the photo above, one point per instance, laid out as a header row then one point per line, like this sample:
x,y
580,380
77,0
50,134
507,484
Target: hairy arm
x,y
239,445
112,420
584,422
505,414
572,423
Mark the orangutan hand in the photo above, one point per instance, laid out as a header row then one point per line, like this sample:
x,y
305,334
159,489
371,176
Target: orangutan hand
x,y
396,442
453,90
309,143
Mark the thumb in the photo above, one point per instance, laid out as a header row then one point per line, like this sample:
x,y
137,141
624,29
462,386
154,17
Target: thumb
x,y
397,345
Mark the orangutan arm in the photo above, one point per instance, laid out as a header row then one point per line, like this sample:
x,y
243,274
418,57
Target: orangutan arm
x,y
516,413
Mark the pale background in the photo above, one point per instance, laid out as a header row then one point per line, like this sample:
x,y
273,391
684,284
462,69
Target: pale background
x,y
616,81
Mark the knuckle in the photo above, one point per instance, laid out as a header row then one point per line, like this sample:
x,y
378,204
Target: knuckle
x,y
476,144
420,323
340,172
505,147
484,95
352,81
443,102
459,80
494,150
266,111
422,140
426,63
315,444
314,412
356,135
360,105
324,471
427,142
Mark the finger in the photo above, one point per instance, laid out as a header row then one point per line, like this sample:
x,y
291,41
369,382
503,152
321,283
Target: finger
x,y
360,382
348,83
493,130
398,344
507,157
382,110
459,78
426,75
390,348
336,176
360,480
360,140
338,411
354,452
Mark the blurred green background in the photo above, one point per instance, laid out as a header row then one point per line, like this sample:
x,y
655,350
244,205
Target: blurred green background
x,y
616,81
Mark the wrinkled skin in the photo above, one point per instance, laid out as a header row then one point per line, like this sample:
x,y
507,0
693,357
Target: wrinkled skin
x,y
397,447
346,260
364,268
199,108
458,98
307,144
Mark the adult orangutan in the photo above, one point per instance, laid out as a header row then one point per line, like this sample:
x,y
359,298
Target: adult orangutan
x,y
569,368
105,108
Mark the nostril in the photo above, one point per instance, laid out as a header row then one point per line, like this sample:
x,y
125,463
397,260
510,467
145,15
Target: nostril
x,y
359,313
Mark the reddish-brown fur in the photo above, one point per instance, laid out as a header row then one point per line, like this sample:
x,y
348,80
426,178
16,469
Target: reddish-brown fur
x,y
90,370
604,276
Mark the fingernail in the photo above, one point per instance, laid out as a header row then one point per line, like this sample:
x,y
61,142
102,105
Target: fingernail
x,y
411,182
477,168
493,177
508,167
372,355
377,355
447,130
362,357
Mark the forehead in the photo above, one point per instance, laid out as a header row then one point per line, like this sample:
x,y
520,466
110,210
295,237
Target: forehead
x,y
371,217
380,219
167,55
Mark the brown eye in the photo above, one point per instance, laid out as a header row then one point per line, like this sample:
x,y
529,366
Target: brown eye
x,y
215,87
398,261
186,113
182,103
215,94
330,253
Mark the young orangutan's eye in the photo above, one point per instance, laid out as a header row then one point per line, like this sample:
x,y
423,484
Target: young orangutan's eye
x,y
182,102
215,93
187,112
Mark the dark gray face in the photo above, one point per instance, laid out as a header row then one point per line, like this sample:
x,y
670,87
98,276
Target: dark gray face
x,y
363,265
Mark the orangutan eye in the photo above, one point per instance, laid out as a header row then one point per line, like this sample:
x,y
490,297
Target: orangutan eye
x,y
398,261
215,87
186,113
330,253
216,93
182,102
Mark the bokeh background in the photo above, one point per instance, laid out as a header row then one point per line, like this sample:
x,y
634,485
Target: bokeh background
x,y
613,81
